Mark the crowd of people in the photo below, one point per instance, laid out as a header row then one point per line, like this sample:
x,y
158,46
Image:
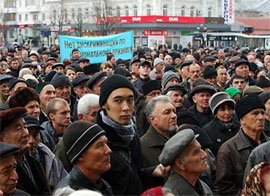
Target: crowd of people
x,y
167,122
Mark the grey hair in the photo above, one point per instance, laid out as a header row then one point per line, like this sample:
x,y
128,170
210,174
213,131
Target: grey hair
x,y
65,191
24,71
87,101
169,93
151,105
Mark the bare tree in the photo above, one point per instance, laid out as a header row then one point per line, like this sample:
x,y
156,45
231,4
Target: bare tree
x,y
57,16
102,11
78,21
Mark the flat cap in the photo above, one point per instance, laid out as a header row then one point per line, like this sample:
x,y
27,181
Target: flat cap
x,y
176,145
95,78
5,77
209,59
14,81
28,60
185,63
83,59
264,96
234,59
122,72
59,80
201,85
252,90
79,79
135,60
241,62
57,65
178,87
8,150
32,122
9,115
51,59
145,63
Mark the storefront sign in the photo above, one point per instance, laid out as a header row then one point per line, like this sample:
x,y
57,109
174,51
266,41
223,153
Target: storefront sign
x,y
148,32
96,48
228,11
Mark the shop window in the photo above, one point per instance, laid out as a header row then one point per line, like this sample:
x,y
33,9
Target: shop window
x,y
20,17
26,17
165,10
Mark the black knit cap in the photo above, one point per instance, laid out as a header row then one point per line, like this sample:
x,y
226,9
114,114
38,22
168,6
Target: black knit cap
x,y
91,69
122,72
149,86
209,72
79,136
59,80
187,117
247,104
112,83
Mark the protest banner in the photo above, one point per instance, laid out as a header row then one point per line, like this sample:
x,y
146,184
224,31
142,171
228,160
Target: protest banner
x,y
96,48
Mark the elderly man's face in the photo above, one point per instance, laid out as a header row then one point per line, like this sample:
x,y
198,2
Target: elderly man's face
x,y
97,157
201,99
8,175
242,70
90,117
168,60
47,93
96,86
195,72
177,98
81,89
34,139
33,108
163,117
222,76
120,106
194,159
63,92
16,134
253,121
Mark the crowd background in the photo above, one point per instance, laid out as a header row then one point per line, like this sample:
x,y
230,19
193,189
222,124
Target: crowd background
x,y
167,97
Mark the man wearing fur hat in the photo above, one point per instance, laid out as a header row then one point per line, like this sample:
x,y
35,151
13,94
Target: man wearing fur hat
x,y
117,100
184,153
233,154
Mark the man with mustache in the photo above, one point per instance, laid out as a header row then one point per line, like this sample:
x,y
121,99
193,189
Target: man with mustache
x,y
201,94
86,146
8,174
162,117
13,130
233,155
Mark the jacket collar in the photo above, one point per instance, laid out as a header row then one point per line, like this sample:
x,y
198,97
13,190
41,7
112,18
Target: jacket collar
x,y
155,139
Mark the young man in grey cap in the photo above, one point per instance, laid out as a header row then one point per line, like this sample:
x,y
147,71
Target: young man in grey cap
x,y
8,174
183,152
87,148
126,176
162,117
233,154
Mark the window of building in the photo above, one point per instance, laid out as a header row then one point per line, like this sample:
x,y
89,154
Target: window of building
x,y
118,11
135,11
65,15
86,11
20,17
26,17
126,11
30,2
73,13
192,11
35,17
198,13
148,10
209,12
79,12
20,3
9,17
183,11
43,16
9,3
165,10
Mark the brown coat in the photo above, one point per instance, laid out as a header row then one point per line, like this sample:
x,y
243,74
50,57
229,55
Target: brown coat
x,y
231,162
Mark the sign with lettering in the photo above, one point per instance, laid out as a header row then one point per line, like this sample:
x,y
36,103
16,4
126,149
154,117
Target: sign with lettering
x,y
228,11
96,48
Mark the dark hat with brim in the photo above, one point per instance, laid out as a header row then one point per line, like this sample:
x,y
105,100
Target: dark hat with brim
x,y
5,77
122,72
178,87
218,99
59,80
57,65
145,63
95,78
263,82
8,150
135,61
83,60
32,122
209,59
91,69
264,96
28,60
79,80
78,137
51,59
241,62
176,145
14,81
150,85
203,88
185,63
8,116
252,90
